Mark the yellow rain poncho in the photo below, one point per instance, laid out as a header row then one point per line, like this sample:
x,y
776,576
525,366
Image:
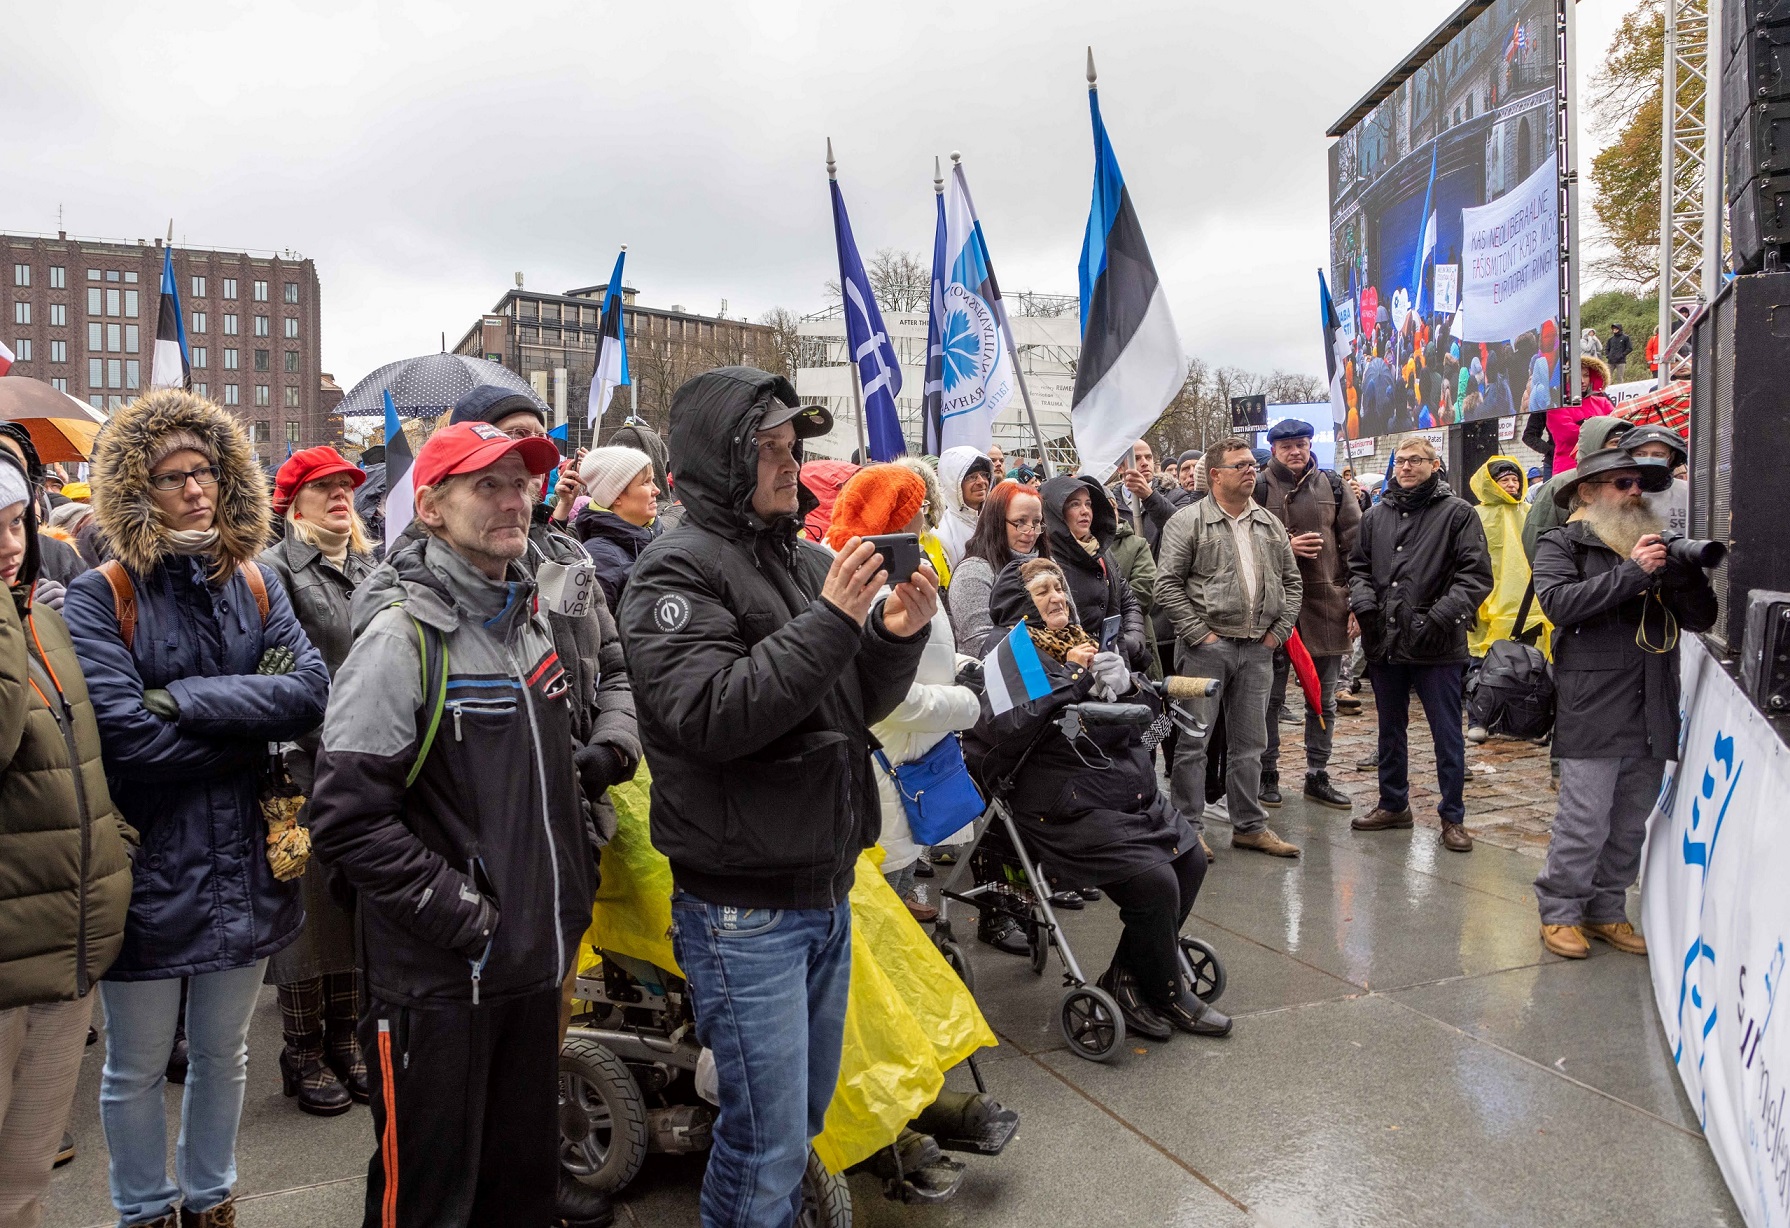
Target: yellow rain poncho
x,y
1503,514
908,1018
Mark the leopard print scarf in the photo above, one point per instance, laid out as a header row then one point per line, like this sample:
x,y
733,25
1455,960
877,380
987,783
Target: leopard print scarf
x,y
1058,643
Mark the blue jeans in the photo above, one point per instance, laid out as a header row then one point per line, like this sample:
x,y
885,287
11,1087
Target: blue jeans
x,y
1442,690
140,1019
768,988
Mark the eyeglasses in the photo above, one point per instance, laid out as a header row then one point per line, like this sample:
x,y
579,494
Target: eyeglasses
x,y
1411,462
1023,525
1244,467
1623,484
205,475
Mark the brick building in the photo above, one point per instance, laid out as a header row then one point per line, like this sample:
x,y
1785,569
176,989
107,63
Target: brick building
x,y
551,341
81,313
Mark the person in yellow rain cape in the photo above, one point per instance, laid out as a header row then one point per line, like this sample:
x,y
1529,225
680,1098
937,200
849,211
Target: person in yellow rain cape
x,y
908,1018
1499,487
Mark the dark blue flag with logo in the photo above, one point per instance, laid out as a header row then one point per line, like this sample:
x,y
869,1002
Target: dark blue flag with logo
x,y
868,342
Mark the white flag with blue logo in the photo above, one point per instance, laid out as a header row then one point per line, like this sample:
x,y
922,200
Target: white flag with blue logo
x,y
974,368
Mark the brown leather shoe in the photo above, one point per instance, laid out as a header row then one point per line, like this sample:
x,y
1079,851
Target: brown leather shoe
x,y
1456,839
921,912
1206,849
1382,819
221,1216
1263,841
1565,941
1619,934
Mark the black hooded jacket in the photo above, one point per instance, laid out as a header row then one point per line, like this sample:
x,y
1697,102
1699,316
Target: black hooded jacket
x,y
1094,580
1418,572
755,697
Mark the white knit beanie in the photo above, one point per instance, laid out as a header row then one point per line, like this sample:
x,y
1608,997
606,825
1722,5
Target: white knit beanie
x,y
13,486
606,472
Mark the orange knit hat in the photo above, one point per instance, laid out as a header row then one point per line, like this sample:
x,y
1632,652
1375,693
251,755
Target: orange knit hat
x,y
880,499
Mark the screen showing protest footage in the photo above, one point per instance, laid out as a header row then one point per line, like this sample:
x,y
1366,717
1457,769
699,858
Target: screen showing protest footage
x,y
1444,234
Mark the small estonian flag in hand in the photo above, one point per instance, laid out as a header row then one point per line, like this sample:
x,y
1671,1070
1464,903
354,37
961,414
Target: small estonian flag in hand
x,y
1013,674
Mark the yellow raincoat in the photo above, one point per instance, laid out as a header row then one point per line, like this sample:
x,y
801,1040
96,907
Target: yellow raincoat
x,y
1502,514
908,1018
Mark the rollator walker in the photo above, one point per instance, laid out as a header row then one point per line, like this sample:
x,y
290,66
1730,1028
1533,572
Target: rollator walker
x,y
1087,1017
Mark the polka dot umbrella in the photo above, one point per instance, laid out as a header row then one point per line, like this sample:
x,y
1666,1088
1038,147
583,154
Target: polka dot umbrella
x,y
431,386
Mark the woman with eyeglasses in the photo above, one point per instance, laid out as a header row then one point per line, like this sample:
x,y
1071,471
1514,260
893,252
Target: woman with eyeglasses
x,y
1011,527
195,663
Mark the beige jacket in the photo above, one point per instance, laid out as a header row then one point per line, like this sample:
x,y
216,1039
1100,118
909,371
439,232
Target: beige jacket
x,y
1198,583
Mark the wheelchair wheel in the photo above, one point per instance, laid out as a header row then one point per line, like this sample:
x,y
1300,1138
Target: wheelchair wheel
x,y
826,1198
1038,939
960,964
1090,1021
602,1120
1208,971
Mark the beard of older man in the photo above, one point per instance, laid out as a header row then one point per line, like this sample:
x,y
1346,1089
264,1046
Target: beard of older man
x,y
1620,522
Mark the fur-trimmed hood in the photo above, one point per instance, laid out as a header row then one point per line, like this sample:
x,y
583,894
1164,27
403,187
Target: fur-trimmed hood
x,y
122,457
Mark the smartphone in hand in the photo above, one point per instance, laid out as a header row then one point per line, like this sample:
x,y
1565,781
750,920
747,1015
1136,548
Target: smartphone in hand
x,y
901,555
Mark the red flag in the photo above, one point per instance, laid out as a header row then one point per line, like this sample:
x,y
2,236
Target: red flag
x,y
5,358
1307,671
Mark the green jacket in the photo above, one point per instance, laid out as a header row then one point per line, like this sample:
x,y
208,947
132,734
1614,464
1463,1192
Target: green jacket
x,y
1197,579
65,868
1131,553
1594,436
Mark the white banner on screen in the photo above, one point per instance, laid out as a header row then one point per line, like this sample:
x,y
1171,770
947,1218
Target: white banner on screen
x,y
1510,260
1717,918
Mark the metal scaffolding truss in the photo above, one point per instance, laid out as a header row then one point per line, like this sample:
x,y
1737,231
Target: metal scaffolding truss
x,y
1690,165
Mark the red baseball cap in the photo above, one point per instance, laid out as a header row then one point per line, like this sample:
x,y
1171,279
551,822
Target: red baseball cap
x,y
308,466
467,447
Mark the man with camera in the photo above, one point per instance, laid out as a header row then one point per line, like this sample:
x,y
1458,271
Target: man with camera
x,y
1619,593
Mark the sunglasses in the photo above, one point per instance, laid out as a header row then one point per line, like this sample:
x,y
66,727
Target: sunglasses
x,y
1625,485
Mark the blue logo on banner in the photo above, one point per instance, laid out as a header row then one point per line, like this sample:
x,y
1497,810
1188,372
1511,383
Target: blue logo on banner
x,y
1699,850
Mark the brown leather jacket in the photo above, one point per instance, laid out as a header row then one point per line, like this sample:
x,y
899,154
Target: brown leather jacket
x,y
1308,503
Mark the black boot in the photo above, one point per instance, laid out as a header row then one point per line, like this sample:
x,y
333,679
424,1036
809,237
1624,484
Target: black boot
x,y
1002,931
1191,1015
1269,793
576,1205
177,1058
1140,1018
1319,789
318,1090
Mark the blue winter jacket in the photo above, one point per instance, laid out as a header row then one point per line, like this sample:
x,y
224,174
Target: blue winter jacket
x,y
614,546
203,898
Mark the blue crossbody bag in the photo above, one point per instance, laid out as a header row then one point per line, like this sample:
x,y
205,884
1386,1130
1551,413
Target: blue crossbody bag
x,y
936,791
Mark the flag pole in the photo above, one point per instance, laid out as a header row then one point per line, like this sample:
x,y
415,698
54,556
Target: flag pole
x,y
1025,395
857,389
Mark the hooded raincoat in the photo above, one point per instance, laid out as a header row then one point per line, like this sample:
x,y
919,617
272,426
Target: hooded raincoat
x,y
1501,514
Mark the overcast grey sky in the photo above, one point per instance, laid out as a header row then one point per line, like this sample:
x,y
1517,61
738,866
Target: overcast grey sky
x,y
422,153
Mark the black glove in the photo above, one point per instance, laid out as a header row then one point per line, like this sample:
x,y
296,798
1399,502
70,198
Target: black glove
x,y
277,660
1430,634
970,675
599,767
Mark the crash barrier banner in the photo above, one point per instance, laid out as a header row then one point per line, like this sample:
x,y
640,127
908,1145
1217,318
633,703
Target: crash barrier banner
x,y
908,1017
1717,915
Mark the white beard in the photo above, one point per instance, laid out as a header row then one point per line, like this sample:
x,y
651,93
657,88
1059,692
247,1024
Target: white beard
x,y
1621,526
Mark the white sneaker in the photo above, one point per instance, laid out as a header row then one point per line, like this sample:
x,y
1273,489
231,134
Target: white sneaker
x,y
1477,734
1218,810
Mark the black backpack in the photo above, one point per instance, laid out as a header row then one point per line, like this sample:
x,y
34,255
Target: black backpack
x,y
1513,691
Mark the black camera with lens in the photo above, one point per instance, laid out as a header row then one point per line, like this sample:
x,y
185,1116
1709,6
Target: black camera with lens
x,y
1693,551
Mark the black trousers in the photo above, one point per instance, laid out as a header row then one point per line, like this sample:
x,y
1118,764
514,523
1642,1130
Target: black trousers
x,y
465,1111
1153,905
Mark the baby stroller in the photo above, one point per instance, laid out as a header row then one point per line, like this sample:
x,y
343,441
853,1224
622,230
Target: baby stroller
x,y
1087,1017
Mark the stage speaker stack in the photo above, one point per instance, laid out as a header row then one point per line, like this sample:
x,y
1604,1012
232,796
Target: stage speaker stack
x,y
1740,408
1756,131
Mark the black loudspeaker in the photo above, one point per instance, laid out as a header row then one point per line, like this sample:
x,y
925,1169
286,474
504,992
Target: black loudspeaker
x,y
1755,87
1475,444
1765,652
1739,408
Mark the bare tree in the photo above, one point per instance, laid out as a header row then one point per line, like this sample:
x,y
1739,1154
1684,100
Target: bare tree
x,y
785,343
901,281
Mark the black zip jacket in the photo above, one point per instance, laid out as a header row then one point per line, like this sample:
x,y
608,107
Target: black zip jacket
x,y
1094,580
755,697
1419,570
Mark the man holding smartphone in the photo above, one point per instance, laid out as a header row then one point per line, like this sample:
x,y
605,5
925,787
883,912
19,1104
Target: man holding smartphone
x,y
759,663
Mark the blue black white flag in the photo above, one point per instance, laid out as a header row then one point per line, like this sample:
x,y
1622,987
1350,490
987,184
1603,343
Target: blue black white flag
x,y
879,371
169,367
1014,674
612,348
1336,352
1132,363
975,372
400,487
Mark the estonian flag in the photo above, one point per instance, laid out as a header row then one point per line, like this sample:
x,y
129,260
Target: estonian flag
x,y
1336,353
612,349
400,491
1013,673
1132,363
170,368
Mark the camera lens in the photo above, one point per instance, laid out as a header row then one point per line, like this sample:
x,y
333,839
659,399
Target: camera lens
x,y
1696,552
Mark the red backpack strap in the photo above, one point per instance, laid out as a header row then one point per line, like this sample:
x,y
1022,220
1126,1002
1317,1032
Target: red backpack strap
x,y
124,599
251,572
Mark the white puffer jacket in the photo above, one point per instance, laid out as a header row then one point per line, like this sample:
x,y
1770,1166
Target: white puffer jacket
x,y
957,522
935,707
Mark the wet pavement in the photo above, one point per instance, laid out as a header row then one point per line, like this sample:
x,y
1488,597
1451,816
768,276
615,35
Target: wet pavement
x,y
1405,1053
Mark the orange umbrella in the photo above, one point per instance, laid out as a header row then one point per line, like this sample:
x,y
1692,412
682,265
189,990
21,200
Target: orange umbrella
x,y
61,428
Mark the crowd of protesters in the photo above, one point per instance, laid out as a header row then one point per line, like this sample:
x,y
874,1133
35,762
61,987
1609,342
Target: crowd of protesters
x,y
247,744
